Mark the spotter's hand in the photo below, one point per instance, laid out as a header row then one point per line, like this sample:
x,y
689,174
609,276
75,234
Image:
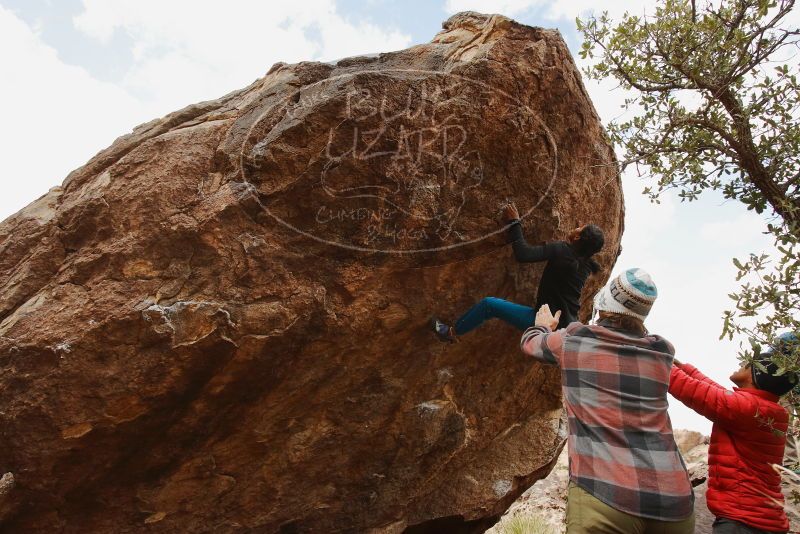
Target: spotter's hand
x,y
544,317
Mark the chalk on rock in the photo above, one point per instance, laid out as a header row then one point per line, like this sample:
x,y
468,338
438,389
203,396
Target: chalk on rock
x,y
7,482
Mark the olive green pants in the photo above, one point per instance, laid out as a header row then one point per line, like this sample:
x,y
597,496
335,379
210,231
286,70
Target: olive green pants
x,y
586,514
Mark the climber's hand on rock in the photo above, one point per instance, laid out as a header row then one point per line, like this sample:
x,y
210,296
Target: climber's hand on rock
x,y
510,212
544,317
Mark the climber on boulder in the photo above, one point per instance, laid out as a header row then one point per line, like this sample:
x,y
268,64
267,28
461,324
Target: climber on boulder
x,y
625,471
747,438
569,264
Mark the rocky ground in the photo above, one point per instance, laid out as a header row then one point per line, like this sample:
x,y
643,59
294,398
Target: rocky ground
x,y
547,498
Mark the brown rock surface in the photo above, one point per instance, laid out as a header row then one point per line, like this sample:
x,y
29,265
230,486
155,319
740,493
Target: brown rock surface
x,y
546,500
219,322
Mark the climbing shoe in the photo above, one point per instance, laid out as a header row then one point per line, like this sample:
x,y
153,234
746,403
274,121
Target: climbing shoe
x,y
443,331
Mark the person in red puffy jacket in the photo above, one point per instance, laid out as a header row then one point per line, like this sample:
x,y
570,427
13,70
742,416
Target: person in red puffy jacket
x,y
747,438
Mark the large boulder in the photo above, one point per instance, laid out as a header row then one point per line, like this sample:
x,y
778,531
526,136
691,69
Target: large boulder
x,y
219,323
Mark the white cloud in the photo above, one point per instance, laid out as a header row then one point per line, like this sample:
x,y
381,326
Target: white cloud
x,y
186,51
744,231
550,9
505,7
55,116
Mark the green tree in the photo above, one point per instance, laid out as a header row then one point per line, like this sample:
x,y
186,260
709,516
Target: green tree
x,y
714,104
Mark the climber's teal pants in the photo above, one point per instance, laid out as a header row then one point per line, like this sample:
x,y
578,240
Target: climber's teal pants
x,y
516,315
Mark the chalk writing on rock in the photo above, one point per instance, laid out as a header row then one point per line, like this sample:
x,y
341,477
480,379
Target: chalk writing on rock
x,y
399,159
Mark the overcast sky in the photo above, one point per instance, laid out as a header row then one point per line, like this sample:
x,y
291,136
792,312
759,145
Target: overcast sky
x,y
78,73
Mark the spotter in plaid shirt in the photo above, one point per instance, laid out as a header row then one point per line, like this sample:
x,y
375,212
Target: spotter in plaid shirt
x,y
621,447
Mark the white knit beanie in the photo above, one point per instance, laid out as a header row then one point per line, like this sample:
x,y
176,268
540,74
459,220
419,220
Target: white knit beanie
x,y
632,293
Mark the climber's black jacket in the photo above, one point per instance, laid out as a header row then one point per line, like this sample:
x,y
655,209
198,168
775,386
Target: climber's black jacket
x,y
563,277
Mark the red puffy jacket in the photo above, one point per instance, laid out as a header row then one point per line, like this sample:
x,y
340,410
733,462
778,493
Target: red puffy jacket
x,y
748,435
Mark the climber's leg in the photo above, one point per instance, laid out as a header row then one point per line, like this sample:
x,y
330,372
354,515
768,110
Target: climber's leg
x,y
516,315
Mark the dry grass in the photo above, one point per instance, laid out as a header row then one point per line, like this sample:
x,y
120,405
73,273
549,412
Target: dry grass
x,y
525,524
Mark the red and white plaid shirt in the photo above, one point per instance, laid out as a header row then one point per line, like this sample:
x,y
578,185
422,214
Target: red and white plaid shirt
x,y
621,447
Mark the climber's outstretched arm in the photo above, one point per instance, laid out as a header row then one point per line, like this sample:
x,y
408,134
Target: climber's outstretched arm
x,y
523,252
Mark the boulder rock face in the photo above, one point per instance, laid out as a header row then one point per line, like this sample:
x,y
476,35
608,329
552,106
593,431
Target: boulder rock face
x,y
219,323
